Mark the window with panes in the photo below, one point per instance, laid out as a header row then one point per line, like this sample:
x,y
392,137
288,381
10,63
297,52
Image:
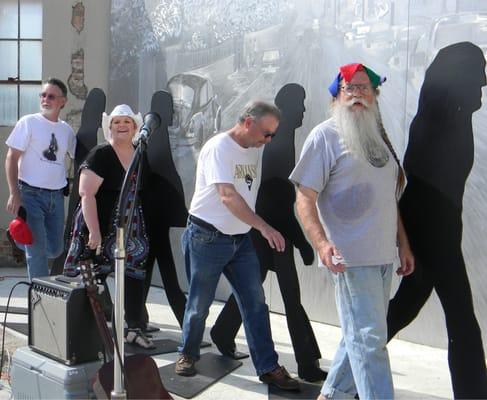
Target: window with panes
x,y
21,58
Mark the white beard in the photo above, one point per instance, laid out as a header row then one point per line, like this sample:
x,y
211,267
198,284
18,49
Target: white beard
x,y
360,132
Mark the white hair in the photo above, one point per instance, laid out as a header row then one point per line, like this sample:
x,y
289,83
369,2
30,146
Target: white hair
x,y
360,130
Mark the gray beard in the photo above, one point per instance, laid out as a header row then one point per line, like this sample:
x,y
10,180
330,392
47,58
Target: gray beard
x,y
360,132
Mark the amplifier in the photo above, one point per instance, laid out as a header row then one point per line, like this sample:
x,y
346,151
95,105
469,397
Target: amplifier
x,y
61,321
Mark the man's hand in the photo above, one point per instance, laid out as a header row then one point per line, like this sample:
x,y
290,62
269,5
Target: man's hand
x,y
326,252
239,207
406,259
275,239
13,203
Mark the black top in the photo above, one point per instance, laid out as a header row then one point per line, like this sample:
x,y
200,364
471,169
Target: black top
x,y
104,162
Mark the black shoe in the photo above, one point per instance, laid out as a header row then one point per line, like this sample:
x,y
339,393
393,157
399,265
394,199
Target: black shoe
x,y
150,329
231,352
228,349
185,366
281,379
311,372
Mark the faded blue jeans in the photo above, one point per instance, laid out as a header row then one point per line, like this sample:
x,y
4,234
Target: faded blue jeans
x,y
45,217
361,363
209,253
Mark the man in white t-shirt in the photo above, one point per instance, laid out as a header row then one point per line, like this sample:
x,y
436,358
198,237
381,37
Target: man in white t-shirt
x,y
36,174
217,241
348,179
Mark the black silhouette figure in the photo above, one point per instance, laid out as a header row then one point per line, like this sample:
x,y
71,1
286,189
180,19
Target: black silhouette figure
x,y
86,139
275,203
437,162
50,152
165,207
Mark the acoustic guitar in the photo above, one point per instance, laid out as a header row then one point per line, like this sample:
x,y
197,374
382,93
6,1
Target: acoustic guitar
x,y
141,376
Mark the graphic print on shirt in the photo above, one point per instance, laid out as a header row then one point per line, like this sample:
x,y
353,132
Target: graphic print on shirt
x,y
50,152
247,172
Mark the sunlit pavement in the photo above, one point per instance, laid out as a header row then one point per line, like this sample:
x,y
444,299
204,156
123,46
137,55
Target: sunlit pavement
x,y
419,372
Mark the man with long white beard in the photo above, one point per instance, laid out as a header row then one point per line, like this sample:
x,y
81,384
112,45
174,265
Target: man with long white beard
x,y
349,179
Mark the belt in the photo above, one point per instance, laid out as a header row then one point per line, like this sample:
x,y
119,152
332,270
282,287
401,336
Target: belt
x,y
203,224
38,188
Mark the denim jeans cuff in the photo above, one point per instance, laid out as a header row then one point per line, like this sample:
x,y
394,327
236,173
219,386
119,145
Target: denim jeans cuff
x,y
332,393
195,356
266,370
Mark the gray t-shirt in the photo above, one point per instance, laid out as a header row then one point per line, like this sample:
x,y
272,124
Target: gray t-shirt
x,y
356,201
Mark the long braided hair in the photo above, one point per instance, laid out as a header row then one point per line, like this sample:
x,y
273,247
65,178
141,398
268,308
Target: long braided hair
x,y
401,177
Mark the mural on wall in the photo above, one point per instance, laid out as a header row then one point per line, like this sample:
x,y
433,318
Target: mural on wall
x,y
76,80
216,55
78,17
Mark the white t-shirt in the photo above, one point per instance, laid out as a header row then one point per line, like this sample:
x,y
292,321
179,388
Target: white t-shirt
x,y
223,160
44,145
356,201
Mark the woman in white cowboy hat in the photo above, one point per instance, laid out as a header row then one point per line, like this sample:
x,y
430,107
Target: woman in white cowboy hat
x,y
101,177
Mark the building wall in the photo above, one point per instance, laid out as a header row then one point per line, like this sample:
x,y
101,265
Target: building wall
x,y
60,40
317,65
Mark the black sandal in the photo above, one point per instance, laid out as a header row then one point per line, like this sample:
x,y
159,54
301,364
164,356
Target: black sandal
x,y
137,338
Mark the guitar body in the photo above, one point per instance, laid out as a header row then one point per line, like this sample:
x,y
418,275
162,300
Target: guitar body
x,y
143,380
141,376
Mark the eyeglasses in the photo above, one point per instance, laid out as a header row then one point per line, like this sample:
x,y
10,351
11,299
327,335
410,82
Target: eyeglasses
x,y
49,96
266,134
350,88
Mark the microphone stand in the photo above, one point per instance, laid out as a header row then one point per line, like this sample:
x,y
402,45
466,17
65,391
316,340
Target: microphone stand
x,y
119,392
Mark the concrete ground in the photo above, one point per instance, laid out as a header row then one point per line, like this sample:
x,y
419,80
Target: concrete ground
x,y
419,372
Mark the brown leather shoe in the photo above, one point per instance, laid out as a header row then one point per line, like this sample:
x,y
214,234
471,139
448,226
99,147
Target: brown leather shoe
x,y
185,366
281,379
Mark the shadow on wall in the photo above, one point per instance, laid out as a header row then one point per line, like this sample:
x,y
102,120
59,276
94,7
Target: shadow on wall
x,y
437,162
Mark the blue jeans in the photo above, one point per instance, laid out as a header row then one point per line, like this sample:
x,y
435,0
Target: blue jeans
x,y
361,363
45,217
208,254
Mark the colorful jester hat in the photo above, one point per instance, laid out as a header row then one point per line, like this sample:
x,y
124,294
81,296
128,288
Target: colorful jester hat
x,y
348,71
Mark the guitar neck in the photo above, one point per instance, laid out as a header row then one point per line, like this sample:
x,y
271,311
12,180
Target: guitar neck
x,y
101,322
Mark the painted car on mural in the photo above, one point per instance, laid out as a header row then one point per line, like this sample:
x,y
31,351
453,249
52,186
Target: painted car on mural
x,y
197,113
444,31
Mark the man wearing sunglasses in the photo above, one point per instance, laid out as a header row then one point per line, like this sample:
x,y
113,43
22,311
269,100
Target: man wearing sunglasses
x,y
349,179
36,175
217,241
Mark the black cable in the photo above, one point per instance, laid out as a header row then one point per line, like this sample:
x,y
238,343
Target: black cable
x,y
5,320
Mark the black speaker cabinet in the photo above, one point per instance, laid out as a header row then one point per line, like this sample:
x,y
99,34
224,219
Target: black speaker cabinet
x,y
61,321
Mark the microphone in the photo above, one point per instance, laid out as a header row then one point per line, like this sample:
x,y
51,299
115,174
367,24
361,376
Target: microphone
x,y
152,120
